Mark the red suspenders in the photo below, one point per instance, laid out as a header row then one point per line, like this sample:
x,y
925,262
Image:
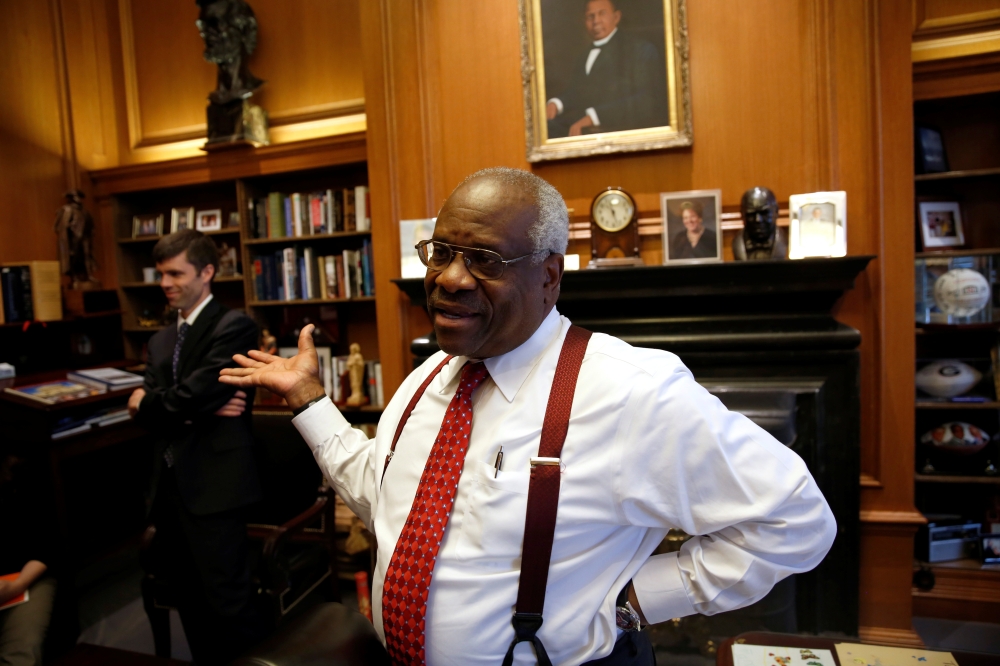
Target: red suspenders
x,y
543,490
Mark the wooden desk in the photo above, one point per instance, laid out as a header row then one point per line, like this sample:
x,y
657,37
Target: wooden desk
x,y
27,428
724,657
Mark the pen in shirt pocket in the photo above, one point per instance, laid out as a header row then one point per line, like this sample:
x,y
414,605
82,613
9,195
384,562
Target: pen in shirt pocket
x,y
498,464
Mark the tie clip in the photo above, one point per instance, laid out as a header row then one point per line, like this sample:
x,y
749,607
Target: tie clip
x,y
543,462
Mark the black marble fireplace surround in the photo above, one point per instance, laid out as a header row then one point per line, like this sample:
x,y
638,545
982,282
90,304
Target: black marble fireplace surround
x,y
761,336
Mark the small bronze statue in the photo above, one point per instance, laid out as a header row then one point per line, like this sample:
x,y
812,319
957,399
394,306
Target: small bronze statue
x,y
75,233
759,238
229,29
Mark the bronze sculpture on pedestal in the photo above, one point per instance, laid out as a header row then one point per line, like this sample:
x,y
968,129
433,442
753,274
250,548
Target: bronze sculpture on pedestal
x,y
759,238
229,29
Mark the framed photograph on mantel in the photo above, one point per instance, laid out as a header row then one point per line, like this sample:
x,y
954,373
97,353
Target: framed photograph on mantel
x,y
691,226
604,77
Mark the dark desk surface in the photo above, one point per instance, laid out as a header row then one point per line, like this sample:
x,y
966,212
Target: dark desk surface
x,y
54,376
724,656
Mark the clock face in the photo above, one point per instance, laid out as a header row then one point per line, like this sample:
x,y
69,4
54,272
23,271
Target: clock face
x,y
613,210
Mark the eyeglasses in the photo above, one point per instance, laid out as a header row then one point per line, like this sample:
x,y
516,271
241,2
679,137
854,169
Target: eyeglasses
x,y
483,264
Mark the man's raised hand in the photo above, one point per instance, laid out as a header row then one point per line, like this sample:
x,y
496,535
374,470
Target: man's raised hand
x,y
296,379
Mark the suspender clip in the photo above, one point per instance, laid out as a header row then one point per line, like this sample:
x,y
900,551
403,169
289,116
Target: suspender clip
x,y
544,462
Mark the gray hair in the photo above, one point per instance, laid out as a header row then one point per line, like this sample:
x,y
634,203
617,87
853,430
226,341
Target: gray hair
x,y
551,230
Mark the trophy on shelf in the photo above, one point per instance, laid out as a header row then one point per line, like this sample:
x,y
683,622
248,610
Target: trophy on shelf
x,y
229,29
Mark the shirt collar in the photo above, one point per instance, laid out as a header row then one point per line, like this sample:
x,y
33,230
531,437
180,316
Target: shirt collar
x,y
602,42
194,313
511,369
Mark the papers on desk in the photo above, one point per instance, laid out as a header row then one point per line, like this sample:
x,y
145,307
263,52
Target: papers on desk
x,y
19,599
768,655
855,654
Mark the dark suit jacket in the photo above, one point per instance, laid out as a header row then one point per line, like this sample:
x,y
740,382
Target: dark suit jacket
x,y
627,87
213,456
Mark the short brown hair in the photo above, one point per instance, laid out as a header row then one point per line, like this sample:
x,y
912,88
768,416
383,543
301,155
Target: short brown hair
x,y
201,251
694,206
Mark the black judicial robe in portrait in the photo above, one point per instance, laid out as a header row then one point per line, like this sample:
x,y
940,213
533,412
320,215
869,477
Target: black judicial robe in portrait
x,y
627,87
213,456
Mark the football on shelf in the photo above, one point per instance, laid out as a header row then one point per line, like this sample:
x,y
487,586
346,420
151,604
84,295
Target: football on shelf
x,y
961,292
957,437
947,378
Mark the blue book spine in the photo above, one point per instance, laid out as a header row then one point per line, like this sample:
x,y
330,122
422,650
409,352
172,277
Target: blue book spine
x,y
288,217
303,282
366,264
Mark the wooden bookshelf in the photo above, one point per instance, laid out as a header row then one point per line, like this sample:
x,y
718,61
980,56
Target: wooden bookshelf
x,y
228,181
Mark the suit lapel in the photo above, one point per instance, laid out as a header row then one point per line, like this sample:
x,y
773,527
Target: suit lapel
x,y
198,334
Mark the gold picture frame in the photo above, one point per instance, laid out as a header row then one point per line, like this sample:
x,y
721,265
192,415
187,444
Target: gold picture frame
x,y
677,132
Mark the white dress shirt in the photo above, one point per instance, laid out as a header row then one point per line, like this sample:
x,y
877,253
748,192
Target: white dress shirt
x,y
591,59
648,449
189,320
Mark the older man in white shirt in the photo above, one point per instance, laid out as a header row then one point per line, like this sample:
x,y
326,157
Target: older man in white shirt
x,y
647,449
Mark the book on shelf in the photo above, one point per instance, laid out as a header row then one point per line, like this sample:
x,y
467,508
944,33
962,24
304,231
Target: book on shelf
x,y
301,214
30,291
295,273
108,378
51,393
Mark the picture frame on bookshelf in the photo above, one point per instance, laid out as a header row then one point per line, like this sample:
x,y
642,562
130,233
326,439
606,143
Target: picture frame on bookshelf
x,y
989,548
147,225
234,219
691,212
930,155
208,220
941,224
181,218
227,260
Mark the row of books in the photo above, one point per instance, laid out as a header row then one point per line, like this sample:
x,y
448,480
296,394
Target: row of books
x,y
296,273
336,379
103,418
293,215
30,292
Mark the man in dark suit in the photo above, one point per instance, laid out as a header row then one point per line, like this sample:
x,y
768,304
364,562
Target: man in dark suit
x,y
204,475
619,83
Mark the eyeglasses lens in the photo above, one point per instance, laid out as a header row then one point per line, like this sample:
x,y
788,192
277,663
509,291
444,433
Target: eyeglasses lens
x,y
483,264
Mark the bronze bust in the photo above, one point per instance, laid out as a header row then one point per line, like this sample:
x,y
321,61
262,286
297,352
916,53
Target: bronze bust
x,y
759,238
229,29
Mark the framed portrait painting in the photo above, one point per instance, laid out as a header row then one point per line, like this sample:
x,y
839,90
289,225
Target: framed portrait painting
x,y
692,232
604,76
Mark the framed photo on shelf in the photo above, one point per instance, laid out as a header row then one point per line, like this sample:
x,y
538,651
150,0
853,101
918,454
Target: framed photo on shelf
x,y
234,219
817,225
181,218
691,226
603,77
989,548
147,225
208,220
941,224
929,153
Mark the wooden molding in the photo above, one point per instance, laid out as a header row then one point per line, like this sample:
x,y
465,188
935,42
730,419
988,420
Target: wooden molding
x,y
889,636
969,21
956,46
892,517
969,75
326,151
869,481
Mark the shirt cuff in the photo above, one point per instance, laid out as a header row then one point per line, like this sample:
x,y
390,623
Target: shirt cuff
x,y
659,588
316,423
593,116
558,103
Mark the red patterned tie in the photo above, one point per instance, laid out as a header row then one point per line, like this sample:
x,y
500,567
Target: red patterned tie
x,y
404,596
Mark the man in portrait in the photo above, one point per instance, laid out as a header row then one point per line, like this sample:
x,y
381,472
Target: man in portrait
x,y
617,83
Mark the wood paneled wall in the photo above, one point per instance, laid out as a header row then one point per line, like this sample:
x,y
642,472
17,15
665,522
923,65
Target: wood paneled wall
x,y
35,162
829,109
